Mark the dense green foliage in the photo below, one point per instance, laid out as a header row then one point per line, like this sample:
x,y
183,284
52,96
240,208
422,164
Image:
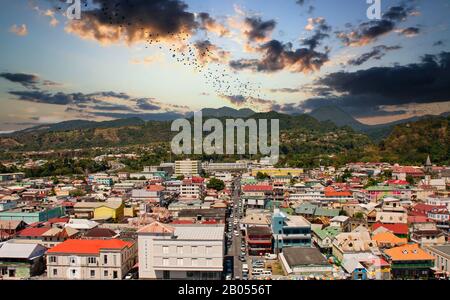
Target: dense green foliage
x,y
216,184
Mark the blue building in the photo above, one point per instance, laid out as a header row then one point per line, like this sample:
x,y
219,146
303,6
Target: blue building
x,y
290,231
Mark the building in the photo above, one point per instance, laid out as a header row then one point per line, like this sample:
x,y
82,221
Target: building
x,y
91,259
290,231
305,262
190,252
225,167
111,209
441,256
259,240
323,238
21,261
192,189
409,262
187,168
427,233
32,215
11,177
347,244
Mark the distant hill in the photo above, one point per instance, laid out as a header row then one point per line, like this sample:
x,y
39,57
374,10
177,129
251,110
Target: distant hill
x,y
227,112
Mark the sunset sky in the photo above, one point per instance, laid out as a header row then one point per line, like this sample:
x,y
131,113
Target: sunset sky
x,y
160,58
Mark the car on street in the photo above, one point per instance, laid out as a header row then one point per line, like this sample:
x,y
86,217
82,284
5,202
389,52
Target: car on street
x,y
270,256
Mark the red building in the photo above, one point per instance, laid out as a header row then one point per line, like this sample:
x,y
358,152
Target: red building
x,y
259,240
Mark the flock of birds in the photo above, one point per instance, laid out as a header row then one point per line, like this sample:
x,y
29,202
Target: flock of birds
x,y
203,60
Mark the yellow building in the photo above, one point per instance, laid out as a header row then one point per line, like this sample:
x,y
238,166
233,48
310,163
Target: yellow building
x,y
279,172
114,211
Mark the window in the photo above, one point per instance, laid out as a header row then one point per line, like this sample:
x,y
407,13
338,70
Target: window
x,y
105,259
194,262
179,262
105,273
55,272
115,275
92,260
52,259
165,261
165,249
92,273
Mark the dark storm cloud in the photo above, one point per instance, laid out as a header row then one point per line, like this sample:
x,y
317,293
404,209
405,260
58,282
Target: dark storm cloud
x,y
376,53
49,98
286,90
277,56
257,29
112,21
26,80
365,92
368,32
321,30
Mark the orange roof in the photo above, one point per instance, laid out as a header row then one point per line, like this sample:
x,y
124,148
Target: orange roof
x,y
331,192
155,188
88,246
388,238
408,252
156,227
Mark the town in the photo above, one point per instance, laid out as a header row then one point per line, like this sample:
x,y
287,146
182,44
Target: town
x,y
242,220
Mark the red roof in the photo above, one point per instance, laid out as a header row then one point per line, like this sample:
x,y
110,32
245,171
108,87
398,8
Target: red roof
x,y
155,188
181,222
395,228
33,231
331,192
88,246
408,170
397,182
257,188
417,219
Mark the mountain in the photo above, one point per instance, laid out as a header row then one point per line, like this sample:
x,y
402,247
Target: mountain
x,y
227,112
338,116
414,141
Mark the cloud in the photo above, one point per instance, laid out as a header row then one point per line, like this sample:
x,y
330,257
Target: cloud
x,y
247,101
368,32
208,52
363,91
286,90
277,56
115,21
257,30
20,30
303,2
209,24
438,43
377,53
410,31
146,104
321,29
26,80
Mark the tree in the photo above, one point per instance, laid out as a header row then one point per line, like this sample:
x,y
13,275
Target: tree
x,y
410,179
216,184
358,215
262,176
181,177
77,193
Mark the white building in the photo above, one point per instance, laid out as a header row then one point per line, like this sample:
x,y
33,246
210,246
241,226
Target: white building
x,y
187,167
181,252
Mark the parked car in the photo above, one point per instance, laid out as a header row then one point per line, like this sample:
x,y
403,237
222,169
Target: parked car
x,y
270,256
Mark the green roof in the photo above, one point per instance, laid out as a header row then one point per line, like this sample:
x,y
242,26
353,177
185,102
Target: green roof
x,y
329,231
326,212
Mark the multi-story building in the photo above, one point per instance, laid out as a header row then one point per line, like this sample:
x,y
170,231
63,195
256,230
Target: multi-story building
x,y
259,240
441,256
181,251
91,259
192,189
225,167
187,167
290,231
409,262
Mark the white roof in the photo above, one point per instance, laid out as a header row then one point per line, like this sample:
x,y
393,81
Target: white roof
x,y
12,250
199,233
81,224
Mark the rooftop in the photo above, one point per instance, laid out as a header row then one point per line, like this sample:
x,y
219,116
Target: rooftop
x,y
304,257
89,246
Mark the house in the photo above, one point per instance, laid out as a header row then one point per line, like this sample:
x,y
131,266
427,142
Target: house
x,y
350,243
409,262
290,231
305,262
388,240
191,252
9,228
427,233
91,259
21,261
100,233
342,222
256,220
259,240
441,256
110,209
81,224
323,238
387,217
400,230
32,214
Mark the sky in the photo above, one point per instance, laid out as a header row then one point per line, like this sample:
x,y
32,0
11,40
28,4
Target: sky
x,y
158,59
